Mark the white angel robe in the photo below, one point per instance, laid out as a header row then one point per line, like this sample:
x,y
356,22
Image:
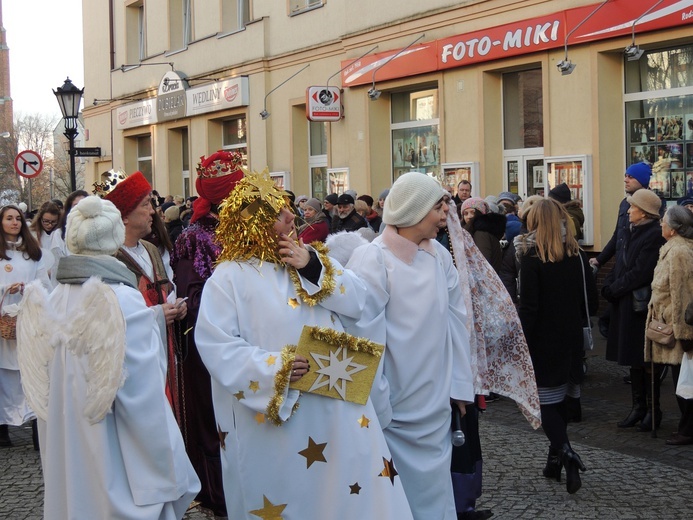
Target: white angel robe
x,y
248,314
131,464
14,409
415,309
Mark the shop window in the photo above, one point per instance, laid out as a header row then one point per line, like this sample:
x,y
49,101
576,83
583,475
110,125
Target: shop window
x,y
659,118
523,115
144,156
234,137
414,128
317,159
235,14
180,24
301,6
136,31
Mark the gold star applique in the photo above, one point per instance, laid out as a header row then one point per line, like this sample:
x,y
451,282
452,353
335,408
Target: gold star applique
x,y
293,302
313,453
364,421
389,470
355,488
340,272
261,186
222,437
254,386
269,511
271,360
260,417
342,289
239,395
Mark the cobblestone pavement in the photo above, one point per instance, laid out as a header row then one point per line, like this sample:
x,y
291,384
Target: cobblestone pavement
x,y
630,474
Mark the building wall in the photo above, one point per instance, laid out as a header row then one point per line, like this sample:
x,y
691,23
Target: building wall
x,y
583,113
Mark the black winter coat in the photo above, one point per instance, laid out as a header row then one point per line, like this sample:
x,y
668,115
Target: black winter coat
x,y
634,268
552,311
487,230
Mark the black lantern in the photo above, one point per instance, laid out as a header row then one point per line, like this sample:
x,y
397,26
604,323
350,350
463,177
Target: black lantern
x,y
69,98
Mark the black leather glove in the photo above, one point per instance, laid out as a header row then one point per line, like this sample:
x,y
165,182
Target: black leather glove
x,y
606,293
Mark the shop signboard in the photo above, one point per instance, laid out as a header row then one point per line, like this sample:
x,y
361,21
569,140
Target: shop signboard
x,y
139,113
323,103
220,95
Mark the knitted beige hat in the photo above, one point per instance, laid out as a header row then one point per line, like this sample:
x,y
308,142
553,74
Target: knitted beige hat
x,y
94,227
410,199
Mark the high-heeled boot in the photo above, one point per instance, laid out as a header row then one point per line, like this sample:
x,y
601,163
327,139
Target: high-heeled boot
x,y
573,466
638,388
5,441
652,398
34,435
554,465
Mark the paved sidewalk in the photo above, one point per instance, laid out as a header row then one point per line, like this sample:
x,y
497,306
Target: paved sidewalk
x,y
630,475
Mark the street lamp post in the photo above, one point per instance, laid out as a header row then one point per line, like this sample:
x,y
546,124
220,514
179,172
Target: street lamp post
x,y
69,98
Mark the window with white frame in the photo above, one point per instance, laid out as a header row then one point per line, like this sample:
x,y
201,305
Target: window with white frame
x,y
234,137
317,159
235,14
414,128
301,6
136,31
180,24
144,156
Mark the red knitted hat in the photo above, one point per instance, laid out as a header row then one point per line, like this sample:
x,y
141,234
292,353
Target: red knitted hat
x,y
129,193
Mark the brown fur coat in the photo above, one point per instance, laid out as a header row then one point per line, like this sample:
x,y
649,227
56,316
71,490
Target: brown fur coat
x,y
672,289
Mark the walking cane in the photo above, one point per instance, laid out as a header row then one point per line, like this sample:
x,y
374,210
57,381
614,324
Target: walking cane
x,y
652,377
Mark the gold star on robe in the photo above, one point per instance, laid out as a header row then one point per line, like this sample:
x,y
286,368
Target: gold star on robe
x,y
355,488
260,417
313,453
293,302
389,470
271,360
239,395
342,289
254,386
269,511
340,272
364,421
222,437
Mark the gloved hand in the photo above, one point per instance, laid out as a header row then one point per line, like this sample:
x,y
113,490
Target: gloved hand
x,y
607,294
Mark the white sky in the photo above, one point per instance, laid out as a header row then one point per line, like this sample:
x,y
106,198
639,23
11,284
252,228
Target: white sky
x,y
45,41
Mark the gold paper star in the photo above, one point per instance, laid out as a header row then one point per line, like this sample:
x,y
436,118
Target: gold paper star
x,y
355,488
313,453
269,511
239,395
260,417
340,272
293,302
271,360
254,386
222,437
262,186
389,470
364,421
342,289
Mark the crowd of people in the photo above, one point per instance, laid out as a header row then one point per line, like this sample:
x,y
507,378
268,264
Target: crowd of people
x,y
162,347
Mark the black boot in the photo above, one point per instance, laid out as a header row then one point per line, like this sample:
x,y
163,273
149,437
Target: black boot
x,y
573,409
554,465
652,399
5,441
573,466
638,389
34,435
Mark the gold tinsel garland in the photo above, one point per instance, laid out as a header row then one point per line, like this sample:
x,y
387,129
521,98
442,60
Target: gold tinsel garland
x,y
281,381
343,339
328,281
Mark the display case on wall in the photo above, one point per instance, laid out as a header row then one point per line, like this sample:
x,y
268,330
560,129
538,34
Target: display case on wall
x,y
281,180
576,172
337,180
454,173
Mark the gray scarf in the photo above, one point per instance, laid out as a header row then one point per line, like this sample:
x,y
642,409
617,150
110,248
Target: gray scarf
x,y
77,269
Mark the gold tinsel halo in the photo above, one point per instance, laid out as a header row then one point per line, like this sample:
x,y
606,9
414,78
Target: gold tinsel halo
x,y
247,217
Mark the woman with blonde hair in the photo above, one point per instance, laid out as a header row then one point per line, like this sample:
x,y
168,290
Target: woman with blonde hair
x,y
553,280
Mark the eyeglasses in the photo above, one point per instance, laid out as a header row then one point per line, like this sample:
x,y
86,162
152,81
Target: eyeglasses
x,y
46,222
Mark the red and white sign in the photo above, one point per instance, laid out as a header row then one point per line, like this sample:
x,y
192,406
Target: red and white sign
x,y
323,103
28,164
614,19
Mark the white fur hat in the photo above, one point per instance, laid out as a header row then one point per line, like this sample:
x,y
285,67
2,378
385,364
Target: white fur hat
x,y
94,227
410,199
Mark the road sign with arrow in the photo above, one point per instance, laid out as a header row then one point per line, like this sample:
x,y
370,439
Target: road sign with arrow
x,y
28,164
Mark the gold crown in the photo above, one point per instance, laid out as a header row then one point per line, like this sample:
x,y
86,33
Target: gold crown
x,y
109,179
219,164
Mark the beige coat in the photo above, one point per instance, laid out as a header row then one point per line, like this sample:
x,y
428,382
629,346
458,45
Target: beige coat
x,y
672,289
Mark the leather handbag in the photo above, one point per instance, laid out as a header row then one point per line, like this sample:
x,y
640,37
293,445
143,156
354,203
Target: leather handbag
x,y
660,333
641,298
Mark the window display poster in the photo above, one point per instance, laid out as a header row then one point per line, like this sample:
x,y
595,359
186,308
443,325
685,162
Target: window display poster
x,y
689,155
689,127
642,153
538,176
670,128
398,152
660,182
689,183
642,130
678,184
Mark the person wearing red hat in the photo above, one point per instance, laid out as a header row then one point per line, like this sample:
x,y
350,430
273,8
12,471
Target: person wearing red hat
x,y
132,198
194,256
